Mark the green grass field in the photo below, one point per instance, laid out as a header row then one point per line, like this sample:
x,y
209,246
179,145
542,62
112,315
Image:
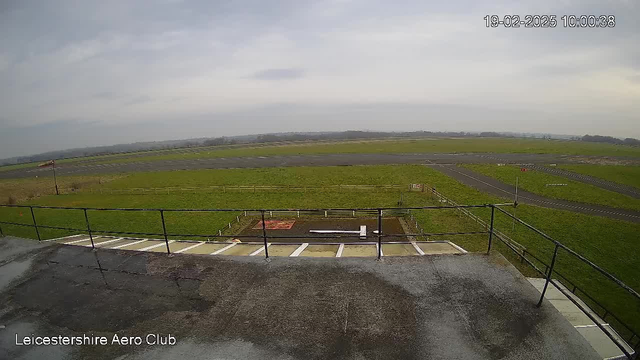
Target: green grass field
x,y
626,175
610,243
390,146
462,145
535,182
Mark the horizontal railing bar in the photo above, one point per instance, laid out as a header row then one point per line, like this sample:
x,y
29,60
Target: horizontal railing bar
x,y
18,224
240,210
60,228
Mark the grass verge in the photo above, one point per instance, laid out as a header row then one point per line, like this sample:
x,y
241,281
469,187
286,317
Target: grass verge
x,y
536,182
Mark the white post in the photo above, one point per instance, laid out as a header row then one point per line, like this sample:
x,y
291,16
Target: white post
x,y
325,213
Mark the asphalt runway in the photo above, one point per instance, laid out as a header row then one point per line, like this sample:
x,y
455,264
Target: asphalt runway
x,y
299,160
495,187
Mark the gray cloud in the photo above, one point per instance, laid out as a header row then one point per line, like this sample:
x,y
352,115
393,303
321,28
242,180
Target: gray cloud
x,y
279,74
119,65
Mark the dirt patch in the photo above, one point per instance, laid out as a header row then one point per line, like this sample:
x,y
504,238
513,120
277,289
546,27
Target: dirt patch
x,y
302,226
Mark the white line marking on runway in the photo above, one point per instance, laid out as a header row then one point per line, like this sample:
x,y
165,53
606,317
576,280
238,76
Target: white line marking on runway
x,y
129,244
340,250
223,249
457,247
104,242
259,250
65,237
157,245
417,248
299,250
75,242
190,247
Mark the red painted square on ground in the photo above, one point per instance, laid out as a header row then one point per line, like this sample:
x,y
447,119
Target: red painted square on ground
x,y
275,224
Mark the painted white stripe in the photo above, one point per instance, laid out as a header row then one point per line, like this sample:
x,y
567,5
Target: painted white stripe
x,y
156,245
259,250
76,241
190,247
129,244
415,246
589,326
299,250
65,237
457,247
340,250
104,242
223,249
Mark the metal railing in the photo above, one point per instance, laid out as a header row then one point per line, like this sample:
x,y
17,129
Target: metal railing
x,y
522,252
380,235
378,212
248,188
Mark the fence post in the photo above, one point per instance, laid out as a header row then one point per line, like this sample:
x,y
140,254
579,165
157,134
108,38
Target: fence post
x,y
379,233
1,233
33,216
549,274
86,218
264,235
493,210
164,230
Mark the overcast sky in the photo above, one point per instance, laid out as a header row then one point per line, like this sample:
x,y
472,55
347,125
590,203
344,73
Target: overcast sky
x,y
86,73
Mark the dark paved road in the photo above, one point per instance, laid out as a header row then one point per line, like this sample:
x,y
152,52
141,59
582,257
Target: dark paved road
x,y
296,160
495,187
469,306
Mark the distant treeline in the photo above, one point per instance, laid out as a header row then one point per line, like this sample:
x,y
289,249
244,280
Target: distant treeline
x,y
286,137
611,140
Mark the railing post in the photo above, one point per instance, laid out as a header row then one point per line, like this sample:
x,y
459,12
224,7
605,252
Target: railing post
x,y
264,235
33,216
493,211
164,230
86,218
549,274
379,234
1,233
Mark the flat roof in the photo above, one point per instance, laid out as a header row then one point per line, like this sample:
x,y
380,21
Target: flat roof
x,y
469,306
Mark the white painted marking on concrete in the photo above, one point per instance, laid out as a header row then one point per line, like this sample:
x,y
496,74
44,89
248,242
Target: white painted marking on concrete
x,y
65,237
299,250
155,246
586,326
104,242
223,249
457,247
340,250
190,247
418,250
76,241
125,245
259,250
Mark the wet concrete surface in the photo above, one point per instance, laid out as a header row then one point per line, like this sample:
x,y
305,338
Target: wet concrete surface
x,y
303,160
429,307
498,188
